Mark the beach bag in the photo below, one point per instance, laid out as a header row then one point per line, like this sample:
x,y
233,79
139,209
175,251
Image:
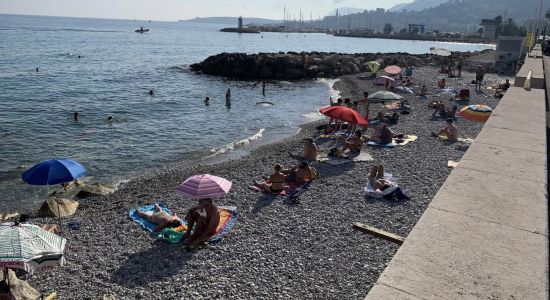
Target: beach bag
x,y
170,235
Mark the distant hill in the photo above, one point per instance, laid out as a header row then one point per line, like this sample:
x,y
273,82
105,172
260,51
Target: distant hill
x,y
232,20
417,5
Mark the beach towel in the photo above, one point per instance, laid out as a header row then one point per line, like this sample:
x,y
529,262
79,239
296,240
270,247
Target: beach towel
x,y
144,223
405,140
371,192
460,140
228,218
375,144
362,156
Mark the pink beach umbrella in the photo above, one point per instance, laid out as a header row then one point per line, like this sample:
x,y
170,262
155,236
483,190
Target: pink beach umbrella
x,y
392,70
204,186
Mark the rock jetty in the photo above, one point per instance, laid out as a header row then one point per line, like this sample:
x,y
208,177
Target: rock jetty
x,y
293,65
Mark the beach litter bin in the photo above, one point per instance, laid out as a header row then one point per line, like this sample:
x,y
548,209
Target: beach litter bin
x,y
408,71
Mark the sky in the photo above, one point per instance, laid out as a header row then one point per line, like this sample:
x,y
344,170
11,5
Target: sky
x,y
172,10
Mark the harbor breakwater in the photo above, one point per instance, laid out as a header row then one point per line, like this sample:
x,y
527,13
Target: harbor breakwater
x,y
293,65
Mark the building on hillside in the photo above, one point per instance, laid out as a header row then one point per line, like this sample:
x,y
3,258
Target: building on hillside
x,y
509,49
416,28
489,28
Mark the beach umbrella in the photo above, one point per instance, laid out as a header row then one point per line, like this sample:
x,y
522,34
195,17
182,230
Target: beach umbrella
x,y
53,171
476,112
382,80
392,69
29,247
204,186
345,114
440,52
384,96
374,66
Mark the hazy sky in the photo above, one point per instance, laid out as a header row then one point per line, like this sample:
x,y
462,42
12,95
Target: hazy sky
x,y
183,9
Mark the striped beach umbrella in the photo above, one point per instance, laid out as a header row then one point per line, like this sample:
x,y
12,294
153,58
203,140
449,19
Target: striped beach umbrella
x,y
29,247
476,112
392,69
204,186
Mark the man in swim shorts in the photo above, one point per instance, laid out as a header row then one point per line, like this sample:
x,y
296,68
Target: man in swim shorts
x,y
205,218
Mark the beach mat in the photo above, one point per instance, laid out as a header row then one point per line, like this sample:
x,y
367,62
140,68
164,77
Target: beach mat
x,y
372,193
467,141
362,156
149,208
405,140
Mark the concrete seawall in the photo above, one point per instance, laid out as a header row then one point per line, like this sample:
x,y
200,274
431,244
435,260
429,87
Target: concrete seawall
x,y
485,233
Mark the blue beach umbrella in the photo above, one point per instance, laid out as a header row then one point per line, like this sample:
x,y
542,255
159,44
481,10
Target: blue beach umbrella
x,y
54,171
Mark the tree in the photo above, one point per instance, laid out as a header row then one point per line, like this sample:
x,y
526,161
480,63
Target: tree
x,y
415,30
510,28
480,31
388,28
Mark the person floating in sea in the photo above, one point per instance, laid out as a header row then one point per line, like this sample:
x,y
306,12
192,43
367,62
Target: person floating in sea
x,y
110,119
207,101
228,98
76,117
263,88
36,69
151,93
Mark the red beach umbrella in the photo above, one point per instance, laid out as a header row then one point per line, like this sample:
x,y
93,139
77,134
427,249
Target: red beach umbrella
x,y
345,114
392,70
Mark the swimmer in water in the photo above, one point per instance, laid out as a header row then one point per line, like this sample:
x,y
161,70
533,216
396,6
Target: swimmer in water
x,y
207,101
36,69
151,92
76,117
110,119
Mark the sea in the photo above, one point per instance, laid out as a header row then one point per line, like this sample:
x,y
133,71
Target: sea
x,y
51,67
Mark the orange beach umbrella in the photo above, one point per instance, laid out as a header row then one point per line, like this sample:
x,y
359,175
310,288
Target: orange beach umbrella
x,y
345,114
477,112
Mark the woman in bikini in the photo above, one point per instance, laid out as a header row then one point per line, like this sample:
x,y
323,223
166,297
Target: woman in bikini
x,y
160,218
273,183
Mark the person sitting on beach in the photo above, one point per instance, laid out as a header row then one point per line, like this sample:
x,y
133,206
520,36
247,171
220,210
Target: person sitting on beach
x,y
273,183
376,178
205,217
354,143
380,118
300,174
503,86
450,131
160,218
382,134
423,91
442,83
439,108
310,149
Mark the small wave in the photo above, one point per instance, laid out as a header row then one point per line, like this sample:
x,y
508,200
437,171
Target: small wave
x,y
237,144
313,116
333,93
181,67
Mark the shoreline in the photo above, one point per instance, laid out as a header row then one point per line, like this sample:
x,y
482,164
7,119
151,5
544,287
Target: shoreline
x,y
277,249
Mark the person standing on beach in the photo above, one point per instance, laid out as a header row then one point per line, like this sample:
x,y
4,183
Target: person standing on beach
x,y
459,67
364,106
480,73
263,88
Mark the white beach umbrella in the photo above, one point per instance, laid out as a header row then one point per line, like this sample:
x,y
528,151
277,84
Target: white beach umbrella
x,y
29,247
385,96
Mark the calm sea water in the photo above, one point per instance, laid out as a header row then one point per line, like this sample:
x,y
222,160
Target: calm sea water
x,y
113,76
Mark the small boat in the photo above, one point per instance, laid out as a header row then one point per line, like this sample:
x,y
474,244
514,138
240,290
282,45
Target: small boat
x,y
142,30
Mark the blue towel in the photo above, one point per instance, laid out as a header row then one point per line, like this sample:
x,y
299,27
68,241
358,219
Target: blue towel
x,y
147,225
375,144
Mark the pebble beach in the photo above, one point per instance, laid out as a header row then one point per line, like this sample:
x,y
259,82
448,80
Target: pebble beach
x,y
279,249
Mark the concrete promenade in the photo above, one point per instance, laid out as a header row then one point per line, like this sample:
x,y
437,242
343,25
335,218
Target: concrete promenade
x,y
485,234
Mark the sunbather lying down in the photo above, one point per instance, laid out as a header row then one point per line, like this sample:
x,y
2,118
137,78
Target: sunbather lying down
x,y
376,178
160,217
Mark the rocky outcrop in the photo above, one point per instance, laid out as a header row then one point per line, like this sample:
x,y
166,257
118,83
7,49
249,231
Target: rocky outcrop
x,y
292,65
95,189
